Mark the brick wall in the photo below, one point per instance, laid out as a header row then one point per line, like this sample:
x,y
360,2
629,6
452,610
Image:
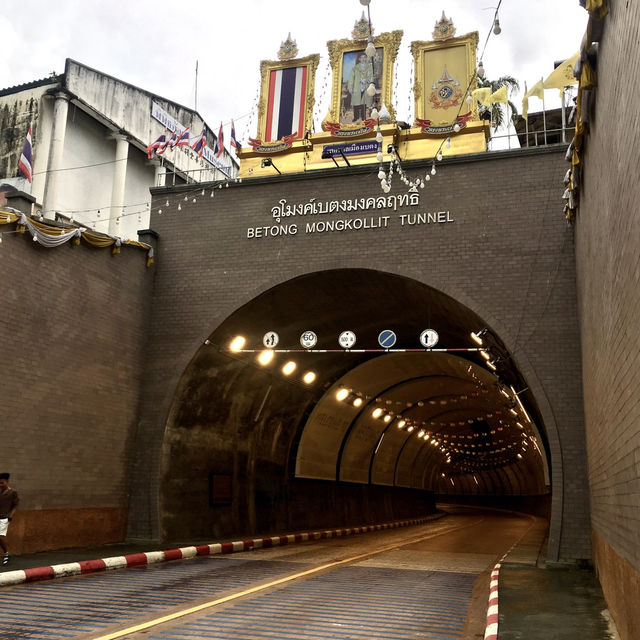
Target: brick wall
x,y
72,331
508,257
608,260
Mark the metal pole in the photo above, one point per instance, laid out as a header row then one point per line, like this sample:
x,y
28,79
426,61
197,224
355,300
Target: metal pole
x,y
544,115
564,116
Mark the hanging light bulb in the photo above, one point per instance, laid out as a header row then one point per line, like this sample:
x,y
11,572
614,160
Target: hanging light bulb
x,y
374,113
379,136
166,204
159,212
427,177
456,127
448,143
365,3
179,207
371,49
371,90
433,169
381,174
439,155
469,98
379,156
480,70
496,27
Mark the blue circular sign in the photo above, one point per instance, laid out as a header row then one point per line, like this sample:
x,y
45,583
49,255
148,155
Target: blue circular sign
x,y
387,339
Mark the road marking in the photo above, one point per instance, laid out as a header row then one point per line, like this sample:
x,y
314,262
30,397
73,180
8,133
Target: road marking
x,y
212,603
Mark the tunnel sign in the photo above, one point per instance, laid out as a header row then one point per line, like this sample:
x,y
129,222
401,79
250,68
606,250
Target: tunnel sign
x,y
387,339
429,338
270,339
347,339
308,339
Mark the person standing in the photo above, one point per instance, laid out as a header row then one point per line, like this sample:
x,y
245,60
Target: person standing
x,y
360,78
8,504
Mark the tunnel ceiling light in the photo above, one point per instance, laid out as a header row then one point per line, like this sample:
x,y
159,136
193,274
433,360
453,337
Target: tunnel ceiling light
x,y
485,354
388,417
341,394
401,423
309,377
491,365
376,413
288,368
420,434
477,337
410,429
237,344
357,402
265,357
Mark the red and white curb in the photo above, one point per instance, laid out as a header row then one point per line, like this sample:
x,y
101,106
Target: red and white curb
x,y
491,631
153,557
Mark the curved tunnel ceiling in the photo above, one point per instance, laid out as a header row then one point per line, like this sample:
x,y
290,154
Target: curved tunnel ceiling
x,y
447,422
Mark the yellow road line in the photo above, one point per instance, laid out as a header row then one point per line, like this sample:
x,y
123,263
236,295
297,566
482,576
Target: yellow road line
x,y
212,603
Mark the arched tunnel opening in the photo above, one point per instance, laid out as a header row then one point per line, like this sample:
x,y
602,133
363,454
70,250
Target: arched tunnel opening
x,y
261,440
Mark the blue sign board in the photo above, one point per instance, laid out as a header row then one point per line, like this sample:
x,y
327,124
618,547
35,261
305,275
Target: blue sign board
x,y
350,149
387,339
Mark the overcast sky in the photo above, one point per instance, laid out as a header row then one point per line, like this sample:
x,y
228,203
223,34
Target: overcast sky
x,y
155,44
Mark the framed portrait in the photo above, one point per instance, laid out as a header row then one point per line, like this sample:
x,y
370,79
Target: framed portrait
x,y
285,109
444,72
353,73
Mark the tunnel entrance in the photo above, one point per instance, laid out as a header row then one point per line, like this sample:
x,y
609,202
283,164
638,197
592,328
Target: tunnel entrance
x,y
261,440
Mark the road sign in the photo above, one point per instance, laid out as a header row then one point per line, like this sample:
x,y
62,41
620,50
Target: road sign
x,y
429,338
387,339
271,339
308,339
347,339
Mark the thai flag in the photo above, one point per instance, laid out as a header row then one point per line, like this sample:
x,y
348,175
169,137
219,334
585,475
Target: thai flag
x,y
285,106
26,158
234,142
169,144
183,139
156,145
219,148
200,143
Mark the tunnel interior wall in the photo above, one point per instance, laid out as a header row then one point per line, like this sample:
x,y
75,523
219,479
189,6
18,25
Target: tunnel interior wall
x,y
73,329
608,268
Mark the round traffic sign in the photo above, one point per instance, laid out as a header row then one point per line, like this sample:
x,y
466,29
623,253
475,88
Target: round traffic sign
x,y
429,338
308,339
270,339
347,339
386,339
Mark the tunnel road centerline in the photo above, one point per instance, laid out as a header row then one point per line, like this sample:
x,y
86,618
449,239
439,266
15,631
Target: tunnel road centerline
x,y
143,626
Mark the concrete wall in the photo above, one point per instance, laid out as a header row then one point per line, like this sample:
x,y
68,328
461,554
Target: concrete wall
x,y
72,333
508,257
608,260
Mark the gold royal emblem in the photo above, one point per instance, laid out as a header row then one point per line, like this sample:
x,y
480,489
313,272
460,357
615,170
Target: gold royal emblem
x,y
444,28
446,92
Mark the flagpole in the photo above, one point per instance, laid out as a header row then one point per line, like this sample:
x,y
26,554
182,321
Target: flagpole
x,y
526,120
544,115
196,96
564,116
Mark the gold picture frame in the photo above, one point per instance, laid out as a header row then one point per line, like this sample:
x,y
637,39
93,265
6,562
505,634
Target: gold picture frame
x,y
344,56
439,88
309,65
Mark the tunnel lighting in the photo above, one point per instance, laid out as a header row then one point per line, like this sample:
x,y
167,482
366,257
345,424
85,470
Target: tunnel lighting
x,y
503,391
526,415
477,337
388,417
265,357
410,429
519,425
520,456
357,402
491,365
485,354
376,412
442,474
513,412
401,424
342,394
237,344
420,434
309,377
288,368
426,437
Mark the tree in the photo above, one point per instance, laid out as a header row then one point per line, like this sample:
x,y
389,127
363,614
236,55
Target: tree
x,y
495,112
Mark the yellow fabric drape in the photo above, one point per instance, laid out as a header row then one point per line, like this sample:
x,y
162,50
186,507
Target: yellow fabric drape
x,y
588,77
482,95
597,8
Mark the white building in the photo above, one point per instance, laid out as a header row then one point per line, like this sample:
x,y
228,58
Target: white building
x,y
90,134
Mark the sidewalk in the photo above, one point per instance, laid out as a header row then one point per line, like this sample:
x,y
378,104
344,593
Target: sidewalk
x,y
542,601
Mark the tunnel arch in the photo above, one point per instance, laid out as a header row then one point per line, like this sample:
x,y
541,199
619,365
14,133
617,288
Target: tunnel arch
x,y
252,429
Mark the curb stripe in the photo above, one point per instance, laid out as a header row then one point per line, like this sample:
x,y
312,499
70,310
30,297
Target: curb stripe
x,y
153,557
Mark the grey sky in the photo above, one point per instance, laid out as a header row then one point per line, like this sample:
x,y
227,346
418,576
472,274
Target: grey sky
x,y
155,44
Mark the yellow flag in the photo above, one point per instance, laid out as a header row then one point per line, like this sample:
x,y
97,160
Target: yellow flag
x,y
482,95
499,96
562,76
536,91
